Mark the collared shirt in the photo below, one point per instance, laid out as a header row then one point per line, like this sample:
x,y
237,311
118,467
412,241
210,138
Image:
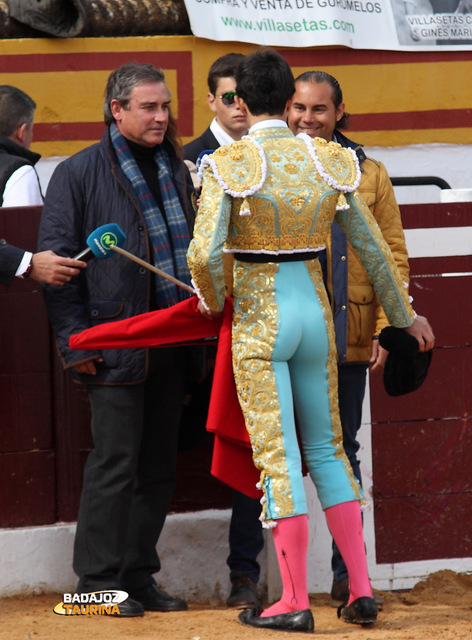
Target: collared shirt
x,y
220,134
266,124
21,190
24,264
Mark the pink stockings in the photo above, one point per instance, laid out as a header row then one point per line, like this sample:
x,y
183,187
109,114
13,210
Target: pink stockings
x,y
291,542
345,523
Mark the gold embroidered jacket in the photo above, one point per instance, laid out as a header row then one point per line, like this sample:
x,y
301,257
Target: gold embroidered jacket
x,y
273,193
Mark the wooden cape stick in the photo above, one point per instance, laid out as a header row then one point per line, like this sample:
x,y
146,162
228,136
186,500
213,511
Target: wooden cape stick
x,y
151,267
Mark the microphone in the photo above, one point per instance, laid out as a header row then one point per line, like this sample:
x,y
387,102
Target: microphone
x,y
205,152
100,242
108,239
201,155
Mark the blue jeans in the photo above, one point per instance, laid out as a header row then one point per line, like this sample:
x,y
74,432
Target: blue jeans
x,y
351,390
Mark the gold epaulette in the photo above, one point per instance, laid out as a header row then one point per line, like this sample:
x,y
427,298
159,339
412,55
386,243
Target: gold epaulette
x,y
337,165
240,167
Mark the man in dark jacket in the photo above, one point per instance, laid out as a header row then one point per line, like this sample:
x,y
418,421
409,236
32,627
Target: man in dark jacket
x,y
245,531
19,184
136,178
229,124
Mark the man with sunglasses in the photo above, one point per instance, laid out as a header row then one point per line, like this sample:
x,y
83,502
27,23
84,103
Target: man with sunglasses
x,y
229,124
245,533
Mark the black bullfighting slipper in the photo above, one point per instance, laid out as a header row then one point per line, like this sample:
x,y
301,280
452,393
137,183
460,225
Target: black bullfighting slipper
x,y
340,593
301,621
361,611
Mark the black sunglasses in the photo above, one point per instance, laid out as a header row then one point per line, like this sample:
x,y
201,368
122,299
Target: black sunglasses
x,y
227,98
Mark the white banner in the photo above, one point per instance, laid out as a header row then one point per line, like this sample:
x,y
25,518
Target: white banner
x,y
360,24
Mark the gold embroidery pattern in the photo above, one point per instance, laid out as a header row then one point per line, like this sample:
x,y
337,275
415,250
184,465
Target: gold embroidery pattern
x,y
316,275
289,213
204,260
293,209
337,163
360,227
255,327
239,166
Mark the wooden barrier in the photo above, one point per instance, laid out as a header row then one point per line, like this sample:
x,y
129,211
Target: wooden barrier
x,y
45,418
421,442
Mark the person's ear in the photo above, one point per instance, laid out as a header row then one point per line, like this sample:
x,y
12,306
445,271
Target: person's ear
x,y
211,99
339,112
115,108
20,133
287,109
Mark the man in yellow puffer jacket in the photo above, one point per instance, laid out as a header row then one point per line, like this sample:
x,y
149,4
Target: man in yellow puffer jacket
x,y
317,109
366,319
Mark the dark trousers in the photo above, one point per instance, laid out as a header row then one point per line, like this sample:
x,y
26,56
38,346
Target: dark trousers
x,y
351,389
129,476
245,537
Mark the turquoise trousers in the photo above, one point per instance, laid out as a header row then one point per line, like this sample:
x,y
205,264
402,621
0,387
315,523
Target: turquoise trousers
x,y
285,367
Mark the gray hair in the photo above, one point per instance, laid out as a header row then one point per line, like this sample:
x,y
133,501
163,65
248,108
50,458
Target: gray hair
x,y
122,81
16,108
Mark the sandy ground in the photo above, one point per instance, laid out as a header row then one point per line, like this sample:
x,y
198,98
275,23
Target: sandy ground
x,y
439,608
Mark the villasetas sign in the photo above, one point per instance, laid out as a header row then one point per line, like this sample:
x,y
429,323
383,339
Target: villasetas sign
x,y
359,24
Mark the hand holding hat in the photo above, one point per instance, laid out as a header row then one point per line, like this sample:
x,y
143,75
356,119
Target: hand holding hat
x,y
422,331
409,357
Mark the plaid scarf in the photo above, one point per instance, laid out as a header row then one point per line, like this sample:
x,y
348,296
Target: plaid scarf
x,y
168,229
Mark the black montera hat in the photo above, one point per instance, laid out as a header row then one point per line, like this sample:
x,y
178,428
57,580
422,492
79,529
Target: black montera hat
x,y
406,367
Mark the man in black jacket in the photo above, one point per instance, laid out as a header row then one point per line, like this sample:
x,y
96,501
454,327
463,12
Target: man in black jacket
x,y
245,533
136,178
19,184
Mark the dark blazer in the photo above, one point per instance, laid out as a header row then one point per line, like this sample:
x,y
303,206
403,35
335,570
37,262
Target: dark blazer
x,y
203,143
85,191
10,258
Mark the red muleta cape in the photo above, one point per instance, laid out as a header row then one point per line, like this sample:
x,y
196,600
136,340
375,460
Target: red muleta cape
x,y
183,323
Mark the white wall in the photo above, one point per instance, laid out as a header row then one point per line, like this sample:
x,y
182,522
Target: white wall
x,y
193,548
451,162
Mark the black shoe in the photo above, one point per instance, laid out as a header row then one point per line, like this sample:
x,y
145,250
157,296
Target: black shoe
x,y
340,593
361,611
378,601
340,590
154,599
301,621
129,608
243,593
